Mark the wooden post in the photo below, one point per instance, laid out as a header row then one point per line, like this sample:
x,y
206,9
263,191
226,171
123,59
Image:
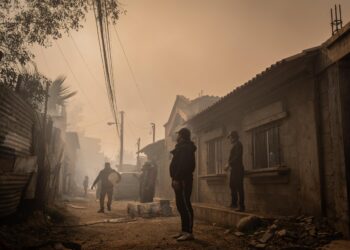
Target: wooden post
x,y
121,139
43,171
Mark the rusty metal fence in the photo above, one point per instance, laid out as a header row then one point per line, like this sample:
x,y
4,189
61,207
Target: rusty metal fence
x,y
16,125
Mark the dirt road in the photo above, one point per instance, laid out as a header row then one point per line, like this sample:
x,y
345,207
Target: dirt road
x,y
153,233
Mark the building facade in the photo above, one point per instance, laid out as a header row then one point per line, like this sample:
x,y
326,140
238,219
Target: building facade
x,y
293,122
183,109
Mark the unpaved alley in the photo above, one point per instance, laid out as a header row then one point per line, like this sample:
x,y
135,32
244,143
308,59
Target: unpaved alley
x,y
123,232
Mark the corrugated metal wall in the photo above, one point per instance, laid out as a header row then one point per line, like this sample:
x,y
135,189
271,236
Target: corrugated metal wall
x,y
16,124
16,138
11,188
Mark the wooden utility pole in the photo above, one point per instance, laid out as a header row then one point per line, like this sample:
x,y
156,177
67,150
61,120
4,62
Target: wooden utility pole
x,y
43,171
138,153
121,139
153,131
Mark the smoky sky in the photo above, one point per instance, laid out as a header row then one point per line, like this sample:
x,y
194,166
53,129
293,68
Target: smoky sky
x,y
178,47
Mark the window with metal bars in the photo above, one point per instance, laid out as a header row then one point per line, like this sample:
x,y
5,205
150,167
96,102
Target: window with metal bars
x,y
214,156
266,147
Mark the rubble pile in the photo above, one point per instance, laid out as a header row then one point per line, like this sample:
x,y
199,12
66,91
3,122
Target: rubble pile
x,y
302,232
149,209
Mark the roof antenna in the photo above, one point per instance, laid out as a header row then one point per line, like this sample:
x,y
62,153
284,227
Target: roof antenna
x,y
336,23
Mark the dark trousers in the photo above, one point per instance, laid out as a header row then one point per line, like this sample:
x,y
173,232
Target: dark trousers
x,y
109,193
184,206
237,191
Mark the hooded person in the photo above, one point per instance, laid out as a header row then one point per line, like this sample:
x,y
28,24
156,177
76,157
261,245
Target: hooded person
x,y
181,172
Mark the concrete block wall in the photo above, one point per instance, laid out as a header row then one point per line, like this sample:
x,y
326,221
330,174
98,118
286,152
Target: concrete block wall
x,y
300,194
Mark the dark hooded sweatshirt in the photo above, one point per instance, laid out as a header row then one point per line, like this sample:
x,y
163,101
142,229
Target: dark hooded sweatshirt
x,y
183,162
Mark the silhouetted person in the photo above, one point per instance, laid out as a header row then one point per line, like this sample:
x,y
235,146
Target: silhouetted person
x,y
235,164
148,182
86,185
182,166
106,187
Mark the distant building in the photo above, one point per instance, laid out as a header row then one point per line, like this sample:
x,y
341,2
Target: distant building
x,y
72,146
294,121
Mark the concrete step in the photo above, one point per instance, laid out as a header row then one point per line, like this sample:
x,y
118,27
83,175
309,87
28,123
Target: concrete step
x,y
221,216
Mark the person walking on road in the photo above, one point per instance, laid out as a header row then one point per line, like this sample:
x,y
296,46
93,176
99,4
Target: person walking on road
x,y
106,186
235,164
181,172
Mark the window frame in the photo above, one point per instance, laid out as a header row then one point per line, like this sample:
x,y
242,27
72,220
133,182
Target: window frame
x,y
265,129
218,156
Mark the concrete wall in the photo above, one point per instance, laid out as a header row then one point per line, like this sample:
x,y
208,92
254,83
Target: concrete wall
x,y
298,192
335,184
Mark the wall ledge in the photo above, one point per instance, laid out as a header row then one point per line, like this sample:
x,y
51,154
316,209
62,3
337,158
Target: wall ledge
x,y
278,174
214,178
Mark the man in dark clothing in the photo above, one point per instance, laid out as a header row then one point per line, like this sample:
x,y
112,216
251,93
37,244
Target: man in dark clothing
x,y
148,179
235,163
181,171
106,186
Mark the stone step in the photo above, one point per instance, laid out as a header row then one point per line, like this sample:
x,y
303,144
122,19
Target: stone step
x,y
218,215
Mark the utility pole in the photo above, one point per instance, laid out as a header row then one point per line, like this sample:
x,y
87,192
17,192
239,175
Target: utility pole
x,y
43,171
153,131
121,139
138,153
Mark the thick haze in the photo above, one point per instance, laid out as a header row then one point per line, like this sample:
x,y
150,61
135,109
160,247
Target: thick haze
x,y
179,47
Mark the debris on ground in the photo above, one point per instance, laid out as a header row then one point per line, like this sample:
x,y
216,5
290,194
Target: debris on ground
x,y
150,209
249,224
35,231
302,232
75,206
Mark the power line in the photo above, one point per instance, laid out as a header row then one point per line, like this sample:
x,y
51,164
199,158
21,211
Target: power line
x,y
83,58
103,65
104,43
44,57
132,72
75,78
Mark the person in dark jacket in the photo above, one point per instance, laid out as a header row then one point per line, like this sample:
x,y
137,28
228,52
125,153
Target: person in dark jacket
x,y
235,164
106,186
181,172
148,179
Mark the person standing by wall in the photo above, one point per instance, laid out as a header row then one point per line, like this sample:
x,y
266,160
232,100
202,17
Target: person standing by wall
x,y
181,172
86,185
235,164
106,186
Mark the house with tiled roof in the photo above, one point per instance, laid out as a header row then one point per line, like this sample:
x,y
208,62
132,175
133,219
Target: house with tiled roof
x,y
293,120
182,110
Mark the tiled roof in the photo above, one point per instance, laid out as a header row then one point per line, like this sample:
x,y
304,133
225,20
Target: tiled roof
x,y
255,80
